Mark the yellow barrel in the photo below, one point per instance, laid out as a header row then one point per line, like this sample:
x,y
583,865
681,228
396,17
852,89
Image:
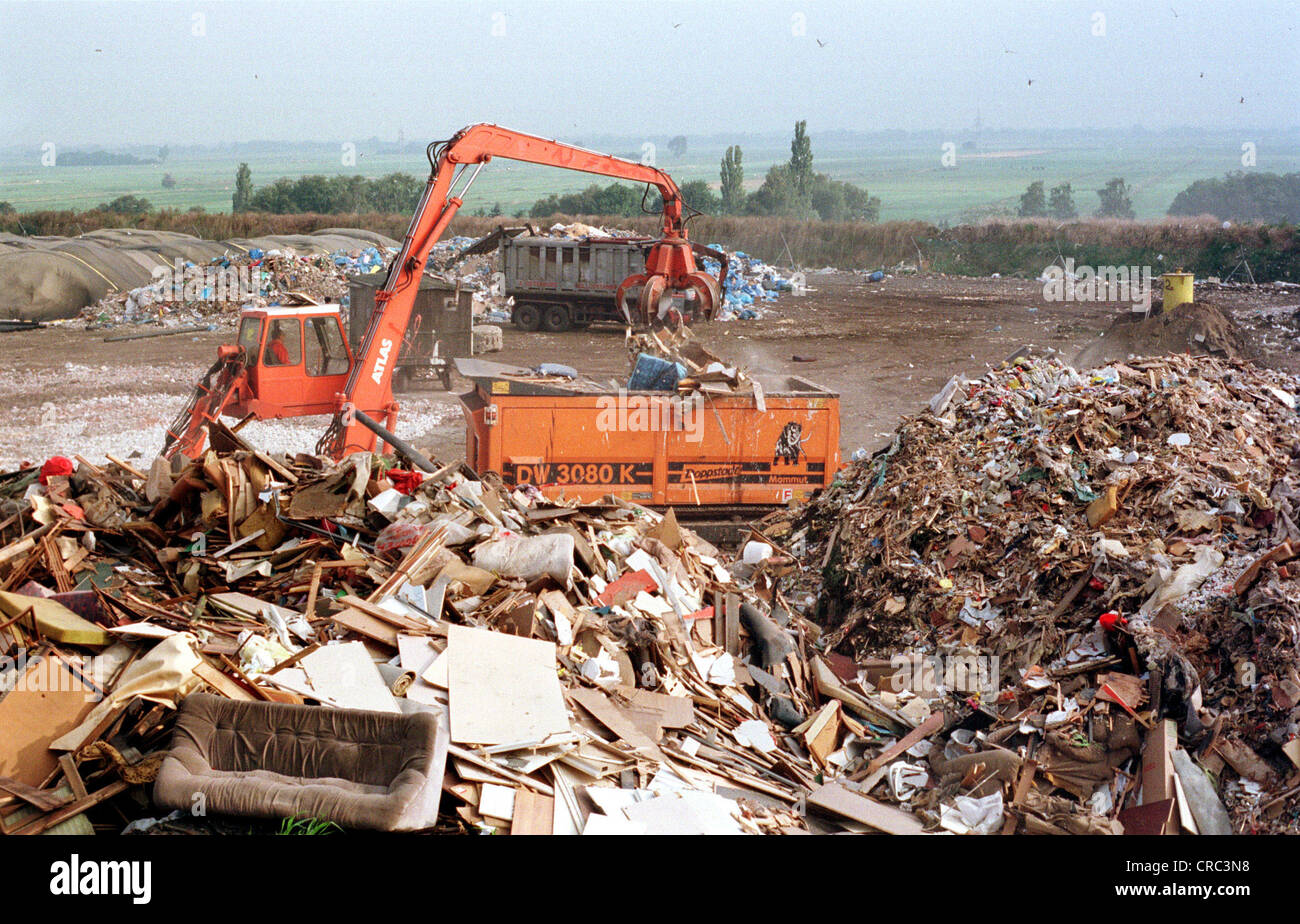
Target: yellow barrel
x,y
1177,289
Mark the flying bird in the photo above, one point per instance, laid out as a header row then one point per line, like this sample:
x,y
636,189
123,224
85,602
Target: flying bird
x,y
821,44
676,25
1031,81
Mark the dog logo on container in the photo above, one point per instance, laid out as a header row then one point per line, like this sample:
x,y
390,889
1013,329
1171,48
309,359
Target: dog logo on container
x,y
789,446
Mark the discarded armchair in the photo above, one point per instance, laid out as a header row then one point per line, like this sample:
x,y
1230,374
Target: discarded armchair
x,y
358,769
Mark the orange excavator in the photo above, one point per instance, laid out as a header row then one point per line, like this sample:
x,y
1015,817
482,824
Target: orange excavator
x,y
291,362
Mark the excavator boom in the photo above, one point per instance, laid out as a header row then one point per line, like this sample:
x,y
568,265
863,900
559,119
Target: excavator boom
x,y
671,275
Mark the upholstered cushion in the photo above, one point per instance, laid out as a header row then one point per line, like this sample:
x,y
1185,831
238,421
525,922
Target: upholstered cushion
x,y
360,769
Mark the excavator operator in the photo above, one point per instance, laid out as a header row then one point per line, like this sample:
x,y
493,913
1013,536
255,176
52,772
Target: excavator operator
x,y
277,354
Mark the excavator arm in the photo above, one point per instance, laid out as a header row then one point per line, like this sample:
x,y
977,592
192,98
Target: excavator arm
x,y
670,277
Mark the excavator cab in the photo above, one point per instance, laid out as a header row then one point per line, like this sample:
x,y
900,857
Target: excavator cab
x,y
297,361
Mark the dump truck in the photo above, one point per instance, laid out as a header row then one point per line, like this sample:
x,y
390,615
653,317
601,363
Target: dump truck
x,y
561,284
716,458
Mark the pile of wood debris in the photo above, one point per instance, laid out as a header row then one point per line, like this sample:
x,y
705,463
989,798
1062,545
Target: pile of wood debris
x,y
1084,585
602,668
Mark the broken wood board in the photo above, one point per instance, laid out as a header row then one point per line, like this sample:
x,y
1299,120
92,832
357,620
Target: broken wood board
x,y
346,674
47,701
833,797
534,813
503,688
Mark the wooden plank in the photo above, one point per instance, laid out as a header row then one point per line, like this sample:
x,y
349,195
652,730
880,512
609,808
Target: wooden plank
x,y
46,822
1158,766
407,625
835,798
731,624
314,590
470,757
41,799
223,684
364,624
924,730
68,764
534,813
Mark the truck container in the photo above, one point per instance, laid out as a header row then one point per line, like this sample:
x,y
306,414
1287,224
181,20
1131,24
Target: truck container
x,y
705,454
559,284
441,326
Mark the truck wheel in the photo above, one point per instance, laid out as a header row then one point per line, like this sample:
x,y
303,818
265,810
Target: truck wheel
x,y
527,317
556,318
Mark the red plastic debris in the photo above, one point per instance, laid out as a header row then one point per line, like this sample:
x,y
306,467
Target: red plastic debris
x,y
55,466
1110,619
405,481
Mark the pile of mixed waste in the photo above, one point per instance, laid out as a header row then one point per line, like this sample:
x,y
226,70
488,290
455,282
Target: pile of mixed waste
x,y
215,292
534,667
750,285
1093,577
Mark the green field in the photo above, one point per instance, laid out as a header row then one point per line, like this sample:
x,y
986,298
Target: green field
x,y
904,170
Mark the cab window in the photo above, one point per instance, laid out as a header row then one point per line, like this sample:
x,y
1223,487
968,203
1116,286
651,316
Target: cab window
x,y
250,335
283,343
326,354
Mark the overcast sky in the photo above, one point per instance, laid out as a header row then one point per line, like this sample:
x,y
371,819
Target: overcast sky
x,y
194,72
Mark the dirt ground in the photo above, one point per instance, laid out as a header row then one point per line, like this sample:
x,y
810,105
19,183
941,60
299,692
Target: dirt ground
x,y
886,347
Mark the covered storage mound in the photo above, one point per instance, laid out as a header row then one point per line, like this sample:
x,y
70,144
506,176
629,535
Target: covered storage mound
x,y
49,278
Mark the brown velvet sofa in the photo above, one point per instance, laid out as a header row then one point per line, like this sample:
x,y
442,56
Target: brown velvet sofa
x,y
268,760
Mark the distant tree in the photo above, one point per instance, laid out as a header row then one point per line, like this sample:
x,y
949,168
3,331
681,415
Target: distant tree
x,y
7,208
824,198
497,209
276,198
168,181
242,200
1242,196
733,181
1061,203
698,195
126,205
312,193
1033,204
396,193
801,158
614,199
836,200
1115,200
677,145
99,159
163,153
779,195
